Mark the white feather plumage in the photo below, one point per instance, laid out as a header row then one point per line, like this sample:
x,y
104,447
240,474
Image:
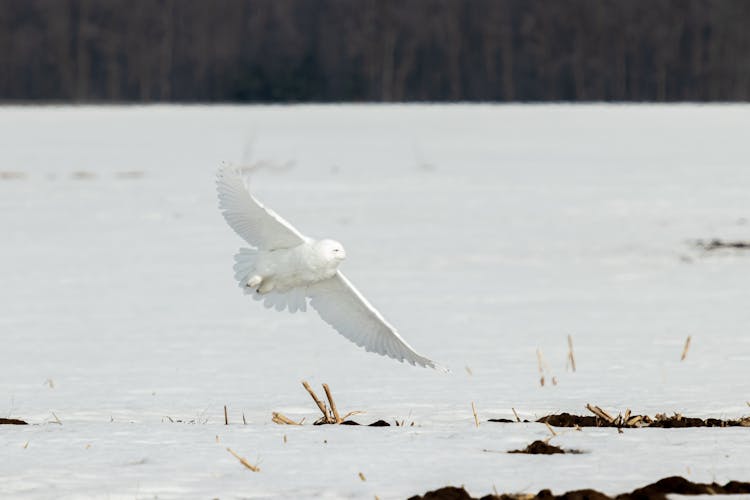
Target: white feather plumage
x,y
286,268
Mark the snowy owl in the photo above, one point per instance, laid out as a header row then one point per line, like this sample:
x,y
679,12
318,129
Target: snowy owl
x,y
285,268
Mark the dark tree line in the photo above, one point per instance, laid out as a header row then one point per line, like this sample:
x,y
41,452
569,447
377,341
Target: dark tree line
x,y
374,50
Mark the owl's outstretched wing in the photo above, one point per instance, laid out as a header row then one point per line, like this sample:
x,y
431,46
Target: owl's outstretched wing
x,y
258,225
345,309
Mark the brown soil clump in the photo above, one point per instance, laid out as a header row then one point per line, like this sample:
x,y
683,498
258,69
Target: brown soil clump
x,y
717,244
540,448
377,423
655,491
638,421
446,493
568,420
12,421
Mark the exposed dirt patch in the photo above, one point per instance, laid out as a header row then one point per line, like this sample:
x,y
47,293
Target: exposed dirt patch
x,y
540,448
568,420
680,421
506,420
12,421
637,421
377,423
654,491
717,244
446,493
380,423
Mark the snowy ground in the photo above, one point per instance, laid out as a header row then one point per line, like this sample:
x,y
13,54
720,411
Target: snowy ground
x,y
482,232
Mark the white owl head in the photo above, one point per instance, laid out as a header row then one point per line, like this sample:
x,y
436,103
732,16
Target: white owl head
x,y
332,250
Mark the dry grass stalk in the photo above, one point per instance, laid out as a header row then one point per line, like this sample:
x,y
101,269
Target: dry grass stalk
x,y
352,413
468,370
331,416
685,349
26,445
550,429
600,413
244,422
634,420
334,412
244,461
321,404
226,416
541,367
518,419
57,420
474,411
571,356
281,419
362,477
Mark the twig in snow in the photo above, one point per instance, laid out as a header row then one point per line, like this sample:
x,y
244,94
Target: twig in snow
x,y
334,412
685,349
571,356
226,416
331,416
550,429
244,461
474,411
321,405
518,419
600,413
283,420
57,420
352,413
541,368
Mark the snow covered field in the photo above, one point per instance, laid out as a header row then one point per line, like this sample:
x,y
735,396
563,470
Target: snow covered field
x,y
483,233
